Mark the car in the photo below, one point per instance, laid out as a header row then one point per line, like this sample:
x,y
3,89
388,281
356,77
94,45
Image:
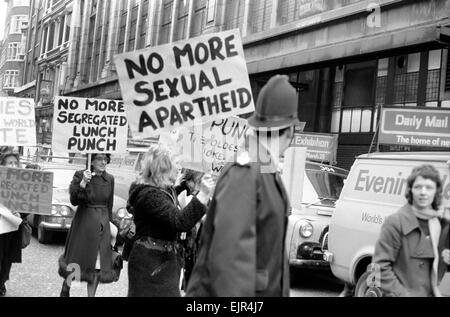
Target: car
x,y
307,233
375,189
59,219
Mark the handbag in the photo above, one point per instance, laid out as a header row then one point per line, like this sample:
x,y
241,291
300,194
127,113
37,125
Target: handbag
x,y
25,233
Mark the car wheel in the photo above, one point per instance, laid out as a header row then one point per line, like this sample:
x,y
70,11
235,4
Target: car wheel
x,y
44,236
362,288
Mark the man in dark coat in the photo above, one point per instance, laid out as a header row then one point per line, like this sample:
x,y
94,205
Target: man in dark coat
x,y
242,249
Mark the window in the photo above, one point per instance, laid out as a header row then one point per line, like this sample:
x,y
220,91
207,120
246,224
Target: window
x,y
211,11
406,82
51,37
234,17
434,75
166,22
44,40
338,91
90,47
353,97
98,38
62,25
104,47
21,3
199,19
285,11
183,12
15,51
11,79
357,107
380,94
260,15
17,22
144,25
123,25
68,21
48,4
133,26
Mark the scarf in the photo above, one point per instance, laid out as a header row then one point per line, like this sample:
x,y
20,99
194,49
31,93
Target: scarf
x,y
435,231
425,214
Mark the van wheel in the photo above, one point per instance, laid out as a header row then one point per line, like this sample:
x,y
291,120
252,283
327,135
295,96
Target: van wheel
x,y
363,290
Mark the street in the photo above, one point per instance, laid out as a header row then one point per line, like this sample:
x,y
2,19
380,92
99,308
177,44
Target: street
x,y
37,276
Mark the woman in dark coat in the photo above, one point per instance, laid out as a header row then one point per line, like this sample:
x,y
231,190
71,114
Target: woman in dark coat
x,y
11,242
154,265
408,251
88,242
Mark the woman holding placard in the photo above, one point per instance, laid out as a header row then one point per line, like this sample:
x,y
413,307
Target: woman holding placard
x,y
88,255
11,242
153,265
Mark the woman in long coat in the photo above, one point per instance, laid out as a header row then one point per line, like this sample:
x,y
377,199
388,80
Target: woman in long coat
x,y
154,264
88,243
11,242
408,254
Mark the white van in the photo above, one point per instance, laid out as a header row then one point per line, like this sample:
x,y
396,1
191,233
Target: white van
x,y
374,189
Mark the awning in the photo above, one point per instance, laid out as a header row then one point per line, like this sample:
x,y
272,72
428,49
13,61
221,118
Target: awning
x,y
429,36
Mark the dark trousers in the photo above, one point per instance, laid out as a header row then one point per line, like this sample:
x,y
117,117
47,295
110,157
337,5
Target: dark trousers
x,y
5,268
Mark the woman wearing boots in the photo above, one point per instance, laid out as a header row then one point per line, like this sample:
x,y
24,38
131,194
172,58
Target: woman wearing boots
x,y
88,242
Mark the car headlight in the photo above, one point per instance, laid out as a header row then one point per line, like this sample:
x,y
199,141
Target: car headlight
x,y
55,210
306,230
59,210
65,211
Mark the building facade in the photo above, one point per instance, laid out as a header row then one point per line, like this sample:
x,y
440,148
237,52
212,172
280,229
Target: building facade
x,y
12,47
46,64
347,58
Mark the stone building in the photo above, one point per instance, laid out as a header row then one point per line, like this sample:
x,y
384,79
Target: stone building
x,y
12,47
347,58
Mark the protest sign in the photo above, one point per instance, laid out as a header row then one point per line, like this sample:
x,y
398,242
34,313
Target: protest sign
x,y
86,125
208,147
8,222
415,127
17,122
26,190
173,85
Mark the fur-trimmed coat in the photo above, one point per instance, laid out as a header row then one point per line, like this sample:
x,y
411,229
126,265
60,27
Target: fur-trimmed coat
x,y
90,233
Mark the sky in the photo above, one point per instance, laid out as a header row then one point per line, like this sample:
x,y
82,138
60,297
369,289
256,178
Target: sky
x,y
2,17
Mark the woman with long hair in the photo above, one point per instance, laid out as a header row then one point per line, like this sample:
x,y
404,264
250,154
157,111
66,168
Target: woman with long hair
x,y
408,256
154,264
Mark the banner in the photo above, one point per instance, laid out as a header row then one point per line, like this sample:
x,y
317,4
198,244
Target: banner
x,y
185,83
415,127
26,190
8,222
208,147
17,122
319,146
86,125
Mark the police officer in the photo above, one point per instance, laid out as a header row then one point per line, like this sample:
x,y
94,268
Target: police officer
x,y
242,250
